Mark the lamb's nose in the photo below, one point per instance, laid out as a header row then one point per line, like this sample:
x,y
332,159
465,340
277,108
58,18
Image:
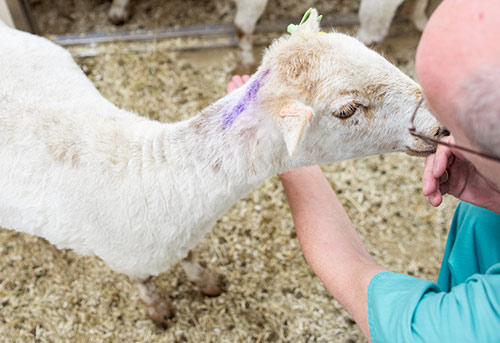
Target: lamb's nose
x,y
442,132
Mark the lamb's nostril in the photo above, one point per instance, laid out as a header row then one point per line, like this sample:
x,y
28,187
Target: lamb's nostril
x,y
442,132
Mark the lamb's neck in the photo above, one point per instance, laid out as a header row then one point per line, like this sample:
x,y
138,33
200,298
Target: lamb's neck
x,y
230,147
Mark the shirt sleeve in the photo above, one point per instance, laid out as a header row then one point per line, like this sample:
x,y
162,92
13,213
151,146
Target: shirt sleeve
x,y
405,309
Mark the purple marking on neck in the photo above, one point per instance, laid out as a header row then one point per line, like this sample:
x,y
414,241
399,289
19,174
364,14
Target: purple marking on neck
x,y
251,94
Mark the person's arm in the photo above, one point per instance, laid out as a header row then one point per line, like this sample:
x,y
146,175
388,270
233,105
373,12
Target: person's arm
x,y
388,307
330,243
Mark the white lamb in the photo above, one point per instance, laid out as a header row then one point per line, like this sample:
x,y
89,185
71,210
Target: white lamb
x,y
89,176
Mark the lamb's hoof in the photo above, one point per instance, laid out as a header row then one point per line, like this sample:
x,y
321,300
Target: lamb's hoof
x,y
210,284
244,69
117,15
160,313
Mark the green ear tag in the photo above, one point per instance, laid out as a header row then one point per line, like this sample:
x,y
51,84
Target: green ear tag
x,y
292,27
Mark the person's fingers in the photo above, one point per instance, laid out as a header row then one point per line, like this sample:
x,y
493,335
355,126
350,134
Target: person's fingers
x,y
237,80
439,180
435,198
429,184
458,153
230,87
435,187
443,156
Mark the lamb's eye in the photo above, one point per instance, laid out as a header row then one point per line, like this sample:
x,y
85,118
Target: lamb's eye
x,y
346,111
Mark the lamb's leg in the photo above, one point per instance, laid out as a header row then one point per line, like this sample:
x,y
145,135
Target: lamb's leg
x,y
158,309
375,17
248,13
419,17
119,11
209,282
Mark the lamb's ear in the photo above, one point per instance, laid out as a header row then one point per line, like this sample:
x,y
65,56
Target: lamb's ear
x,y
293,122
309,23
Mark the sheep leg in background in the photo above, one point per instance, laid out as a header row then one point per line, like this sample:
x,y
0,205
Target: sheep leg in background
x,y
119,11
419,16
248,13
209,282
157,308
375,17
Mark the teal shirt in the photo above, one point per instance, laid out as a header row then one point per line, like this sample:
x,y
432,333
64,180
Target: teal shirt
x,y
463,306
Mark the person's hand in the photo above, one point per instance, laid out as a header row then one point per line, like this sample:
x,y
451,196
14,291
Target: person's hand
x,y
447,171
236,82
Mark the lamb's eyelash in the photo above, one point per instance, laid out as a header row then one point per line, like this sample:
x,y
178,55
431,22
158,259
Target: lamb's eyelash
x,y
346,111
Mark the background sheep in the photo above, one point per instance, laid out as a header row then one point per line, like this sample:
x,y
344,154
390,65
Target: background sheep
x,y
248,13
375,17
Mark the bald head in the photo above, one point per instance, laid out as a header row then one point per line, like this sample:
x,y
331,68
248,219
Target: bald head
x,y
458,66
461,37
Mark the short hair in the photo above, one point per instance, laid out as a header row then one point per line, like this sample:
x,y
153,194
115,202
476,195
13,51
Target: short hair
x,y
478,108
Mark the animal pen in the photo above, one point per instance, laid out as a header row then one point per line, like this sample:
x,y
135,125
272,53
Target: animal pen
x,y
169,61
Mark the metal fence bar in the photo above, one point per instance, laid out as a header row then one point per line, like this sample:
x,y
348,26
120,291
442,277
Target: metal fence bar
x,y
220,29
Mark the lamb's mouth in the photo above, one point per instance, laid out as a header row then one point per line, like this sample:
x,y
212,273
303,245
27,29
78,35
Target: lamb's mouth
x,y
421,153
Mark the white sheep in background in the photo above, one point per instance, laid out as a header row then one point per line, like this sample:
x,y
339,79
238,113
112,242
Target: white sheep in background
x,y
248,13
375,17
140,194
119,11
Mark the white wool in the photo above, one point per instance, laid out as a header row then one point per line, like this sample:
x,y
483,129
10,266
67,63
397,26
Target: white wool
x,y
89,176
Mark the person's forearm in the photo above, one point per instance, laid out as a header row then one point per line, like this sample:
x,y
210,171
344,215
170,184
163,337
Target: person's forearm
x,y
329,240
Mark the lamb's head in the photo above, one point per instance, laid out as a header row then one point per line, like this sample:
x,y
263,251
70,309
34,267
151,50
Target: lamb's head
x,y
333,98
